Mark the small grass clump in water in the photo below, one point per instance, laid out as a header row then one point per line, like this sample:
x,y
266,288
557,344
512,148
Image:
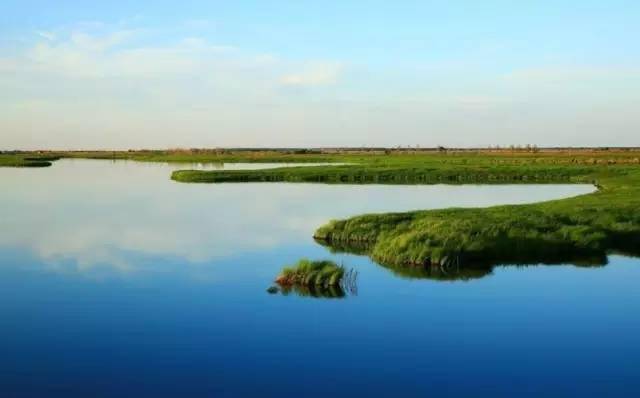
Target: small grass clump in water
x,y
316,279
312,273
317,273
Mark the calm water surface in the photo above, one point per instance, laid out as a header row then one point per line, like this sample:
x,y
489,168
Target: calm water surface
x,y
116,281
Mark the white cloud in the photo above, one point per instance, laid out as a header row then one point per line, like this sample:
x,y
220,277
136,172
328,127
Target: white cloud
x,y
82,55
102,87
318,74
99,53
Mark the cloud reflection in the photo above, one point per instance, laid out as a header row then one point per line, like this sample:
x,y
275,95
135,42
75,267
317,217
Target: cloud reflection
x,y
93,213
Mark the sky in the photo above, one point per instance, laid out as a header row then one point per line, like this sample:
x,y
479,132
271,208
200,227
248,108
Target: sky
x,y
457,73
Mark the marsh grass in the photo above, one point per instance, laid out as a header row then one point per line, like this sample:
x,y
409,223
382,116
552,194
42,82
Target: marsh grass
x,y
568,230
16,160
312,276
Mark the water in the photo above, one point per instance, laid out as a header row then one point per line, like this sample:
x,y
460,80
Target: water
x,y
116,281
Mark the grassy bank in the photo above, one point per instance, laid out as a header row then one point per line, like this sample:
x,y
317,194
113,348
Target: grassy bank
x,y
567,230
204,156
394,173
431,168
26,160
43,159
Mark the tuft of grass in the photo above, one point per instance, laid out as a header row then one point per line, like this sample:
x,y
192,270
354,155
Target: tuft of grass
x,y
322,278
311,273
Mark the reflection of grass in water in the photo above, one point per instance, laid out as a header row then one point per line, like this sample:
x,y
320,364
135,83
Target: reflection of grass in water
x,y
315,291
457,269
322,278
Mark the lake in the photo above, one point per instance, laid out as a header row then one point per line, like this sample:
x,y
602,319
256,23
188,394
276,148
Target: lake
x,y
116,281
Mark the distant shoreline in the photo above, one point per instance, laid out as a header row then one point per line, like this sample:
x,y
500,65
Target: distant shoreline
x,y
331,150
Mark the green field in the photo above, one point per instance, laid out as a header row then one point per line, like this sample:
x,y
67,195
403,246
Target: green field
x,y
577,230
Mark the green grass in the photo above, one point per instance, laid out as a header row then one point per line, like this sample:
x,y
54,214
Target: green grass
x,y
25,160
431,168
567,230
322,278
311,273
203,156
367,173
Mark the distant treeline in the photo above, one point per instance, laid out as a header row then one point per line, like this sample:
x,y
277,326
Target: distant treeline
x,y
330,150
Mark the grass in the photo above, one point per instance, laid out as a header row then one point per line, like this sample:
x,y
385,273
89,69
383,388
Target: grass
x,y
431,168
311,273
567,230
322,278
26,160
204,156
44,159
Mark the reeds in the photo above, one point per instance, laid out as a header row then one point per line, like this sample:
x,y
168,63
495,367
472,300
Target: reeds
x,y
318,276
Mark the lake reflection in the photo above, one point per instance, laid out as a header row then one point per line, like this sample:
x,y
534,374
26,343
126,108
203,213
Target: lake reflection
x,y
116,281
81,214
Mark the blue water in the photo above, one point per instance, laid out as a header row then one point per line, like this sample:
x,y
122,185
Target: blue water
x,y
117,282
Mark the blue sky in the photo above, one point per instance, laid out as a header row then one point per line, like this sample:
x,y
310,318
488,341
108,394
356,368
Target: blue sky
x,y
284,73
